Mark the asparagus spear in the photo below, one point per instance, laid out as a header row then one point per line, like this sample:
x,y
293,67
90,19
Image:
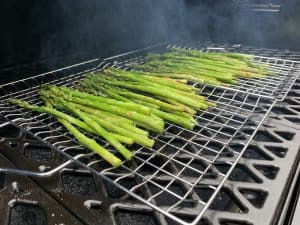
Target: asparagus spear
x,y
126,105
221,66
186,108
121,138
96,88
144,80
197,69
112,120
179,75
66,117
132,74
161,104
181,121
91,144
174,118
138,138
160,91
100,130
155,125
148,104
66,121
228,58
115,117
181,72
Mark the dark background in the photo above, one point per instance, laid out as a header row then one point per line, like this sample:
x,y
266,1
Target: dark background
x,y
41,35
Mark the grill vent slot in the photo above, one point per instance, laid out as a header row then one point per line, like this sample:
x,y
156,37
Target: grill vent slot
x,y
115,192
2,180
286,135
265,136
268,171
256,197
255,152
232,222
243,174
226,201
277,150
128,217
39,153
78,183
24,214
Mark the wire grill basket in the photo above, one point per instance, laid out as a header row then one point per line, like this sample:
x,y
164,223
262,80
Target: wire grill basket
x,y
177,166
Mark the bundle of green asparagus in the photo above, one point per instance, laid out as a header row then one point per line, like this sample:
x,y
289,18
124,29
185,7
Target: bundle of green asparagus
x,y
122,106
205,67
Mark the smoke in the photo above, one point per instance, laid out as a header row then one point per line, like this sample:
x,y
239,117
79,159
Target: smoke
x,y
107,27
102,28
87,29
65,32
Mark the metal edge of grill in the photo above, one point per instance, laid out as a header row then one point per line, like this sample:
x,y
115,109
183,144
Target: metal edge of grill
x,y
267,101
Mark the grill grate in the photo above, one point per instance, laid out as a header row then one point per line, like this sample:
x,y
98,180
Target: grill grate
x,y
163,170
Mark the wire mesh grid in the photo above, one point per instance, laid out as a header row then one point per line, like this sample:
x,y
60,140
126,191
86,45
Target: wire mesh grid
x,y
167,175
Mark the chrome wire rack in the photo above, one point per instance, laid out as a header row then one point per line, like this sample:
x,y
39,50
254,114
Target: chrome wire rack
x,y
177,167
